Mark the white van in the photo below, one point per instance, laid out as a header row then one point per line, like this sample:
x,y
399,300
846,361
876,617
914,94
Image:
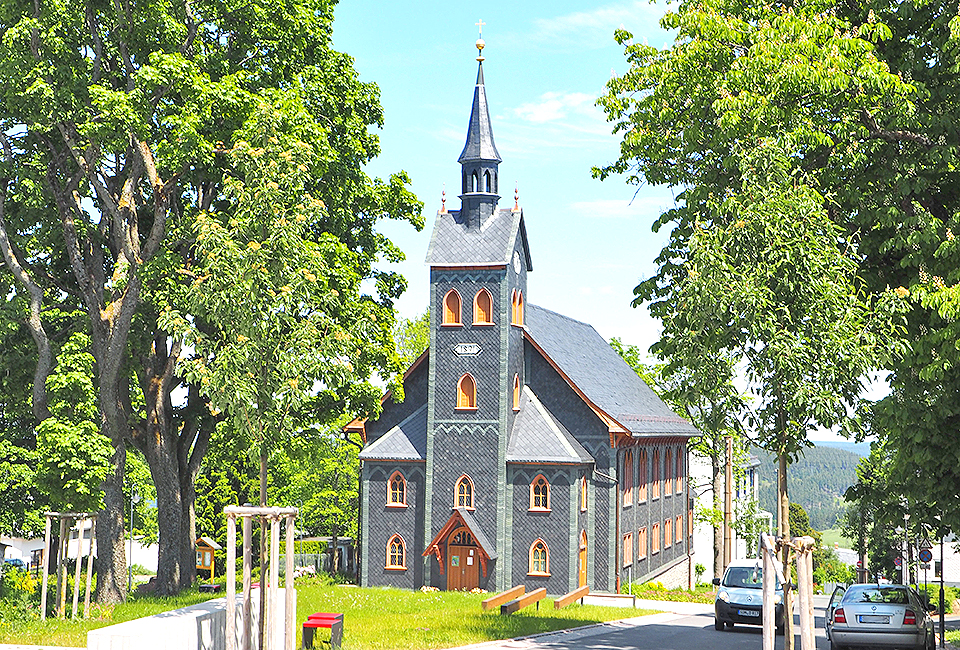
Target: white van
x,y
740,596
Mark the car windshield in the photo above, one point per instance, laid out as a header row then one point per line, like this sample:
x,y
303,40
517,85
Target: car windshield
x,y
744,576
874,594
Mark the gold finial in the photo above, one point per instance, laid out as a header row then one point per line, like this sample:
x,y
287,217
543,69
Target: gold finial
x,y
480,42
443,199
516,197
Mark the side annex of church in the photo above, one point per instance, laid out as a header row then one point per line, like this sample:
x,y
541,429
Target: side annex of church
x,y
526,451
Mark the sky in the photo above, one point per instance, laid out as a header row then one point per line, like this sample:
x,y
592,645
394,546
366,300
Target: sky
x,y
545,65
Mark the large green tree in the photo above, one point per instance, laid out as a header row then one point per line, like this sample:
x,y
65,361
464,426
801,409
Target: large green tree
x,y
121,123
866,93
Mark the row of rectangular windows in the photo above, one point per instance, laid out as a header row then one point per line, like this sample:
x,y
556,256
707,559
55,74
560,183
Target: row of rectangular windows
x,y
482,308
463,492
671,483
672,532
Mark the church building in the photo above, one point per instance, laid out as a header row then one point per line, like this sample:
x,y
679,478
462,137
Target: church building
x,y
526,451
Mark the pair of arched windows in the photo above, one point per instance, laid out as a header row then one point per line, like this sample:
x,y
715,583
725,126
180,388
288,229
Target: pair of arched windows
x,y
540,494
539,559
397,491
472,182
516,307
482,308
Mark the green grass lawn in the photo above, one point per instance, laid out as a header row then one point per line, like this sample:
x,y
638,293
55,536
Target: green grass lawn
x,y
832,535
374,619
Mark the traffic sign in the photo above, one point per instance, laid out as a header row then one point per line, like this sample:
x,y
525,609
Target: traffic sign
x,y
925,544
897,562
925,555
859,564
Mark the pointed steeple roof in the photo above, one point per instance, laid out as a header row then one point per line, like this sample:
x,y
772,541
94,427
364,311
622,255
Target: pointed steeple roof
x,y
480,145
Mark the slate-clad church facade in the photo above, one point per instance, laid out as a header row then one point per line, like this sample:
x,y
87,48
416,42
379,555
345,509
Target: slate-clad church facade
x,y
525,451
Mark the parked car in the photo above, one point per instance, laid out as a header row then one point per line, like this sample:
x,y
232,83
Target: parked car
x,y
15,562
879,616
740,596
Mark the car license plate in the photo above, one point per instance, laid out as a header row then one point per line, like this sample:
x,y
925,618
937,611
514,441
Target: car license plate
x,y
748,612
874,618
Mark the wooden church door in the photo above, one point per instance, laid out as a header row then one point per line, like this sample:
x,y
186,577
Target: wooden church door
x,y
463,571
583,559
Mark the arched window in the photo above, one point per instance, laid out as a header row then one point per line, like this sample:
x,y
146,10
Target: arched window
x,y
679,474
516,392
516,315
539,493
494,181
475,182
583,493
655,539
451,308
667,533
487,185
667,476
642,477
463,495
483,308
396,491
627,478
656,473
467,392
539,559
642,543
396,553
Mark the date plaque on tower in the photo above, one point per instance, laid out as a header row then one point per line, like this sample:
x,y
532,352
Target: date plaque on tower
x,y
466,349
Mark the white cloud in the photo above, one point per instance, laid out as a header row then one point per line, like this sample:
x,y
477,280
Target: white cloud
x,y
555,106
595,28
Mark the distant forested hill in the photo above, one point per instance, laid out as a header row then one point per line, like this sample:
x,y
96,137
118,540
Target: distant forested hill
x,y
817,482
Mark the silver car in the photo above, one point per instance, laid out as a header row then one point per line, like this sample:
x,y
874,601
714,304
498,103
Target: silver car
x,y
878,616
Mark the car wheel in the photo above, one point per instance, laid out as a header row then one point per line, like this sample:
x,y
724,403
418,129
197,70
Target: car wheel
x,y
718,625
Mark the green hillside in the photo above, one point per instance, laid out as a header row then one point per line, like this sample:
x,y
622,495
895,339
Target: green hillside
x,y
817,482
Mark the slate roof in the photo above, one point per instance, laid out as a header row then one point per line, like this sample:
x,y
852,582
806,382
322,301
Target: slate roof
x,y
480,144
406,441
538,437
454,244
601,374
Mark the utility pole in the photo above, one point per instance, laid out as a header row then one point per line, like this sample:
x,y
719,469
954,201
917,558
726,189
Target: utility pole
x,y
728,504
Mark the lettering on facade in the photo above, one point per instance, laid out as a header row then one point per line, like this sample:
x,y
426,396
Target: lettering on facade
x,y
466,349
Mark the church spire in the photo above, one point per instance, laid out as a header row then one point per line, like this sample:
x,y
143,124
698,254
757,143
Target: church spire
x,y
479,159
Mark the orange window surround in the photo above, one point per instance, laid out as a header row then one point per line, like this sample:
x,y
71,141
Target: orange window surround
x,y
627,478
539,493
642,543
396,553
451,308
583,493
679,470
628,549
642,477
690,522
516,314
516,392
463,494
467,392
667,473
539,559
667,533
655,533
679,528
483,308
397,490
656,474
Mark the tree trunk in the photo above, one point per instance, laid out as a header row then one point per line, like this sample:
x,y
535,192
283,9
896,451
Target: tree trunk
x,y
111,558
163,469
783,516
717,469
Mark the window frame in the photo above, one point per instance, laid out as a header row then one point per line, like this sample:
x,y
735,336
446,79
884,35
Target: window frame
x,y
642,543
533,496
642,475
668,532
680,469
516,308
531,570
464,480
627,549
655,483
655,538
397,475
466,401
390,555
448,312
678,534
627,478
667,472
477,311
583,493
516,392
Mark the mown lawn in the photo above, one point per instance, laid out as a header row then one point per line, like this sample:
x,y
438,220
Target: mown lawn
x,y
374,619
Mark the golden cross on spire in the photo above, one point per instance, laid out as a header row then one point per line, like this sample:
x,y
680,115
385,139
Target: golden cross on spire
x,y
480,42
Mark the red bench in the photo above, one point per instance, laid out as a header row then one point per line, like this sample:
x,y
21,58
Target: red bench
x,y
323,620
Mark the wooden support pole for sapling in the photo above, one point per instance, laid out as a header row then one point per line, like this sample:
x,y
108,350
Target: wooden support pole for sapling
x,y
231,582
44,569
76,571
61,570
86,594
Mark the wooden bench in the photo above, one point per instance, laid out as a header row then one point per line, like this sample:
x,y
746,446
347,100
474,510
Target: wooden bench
x,y
575,595
500,599
517,604
208,588
323,620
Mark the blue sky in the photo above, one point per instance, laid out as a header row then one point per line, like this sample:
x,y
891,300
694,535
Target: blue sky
x,y
546,64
